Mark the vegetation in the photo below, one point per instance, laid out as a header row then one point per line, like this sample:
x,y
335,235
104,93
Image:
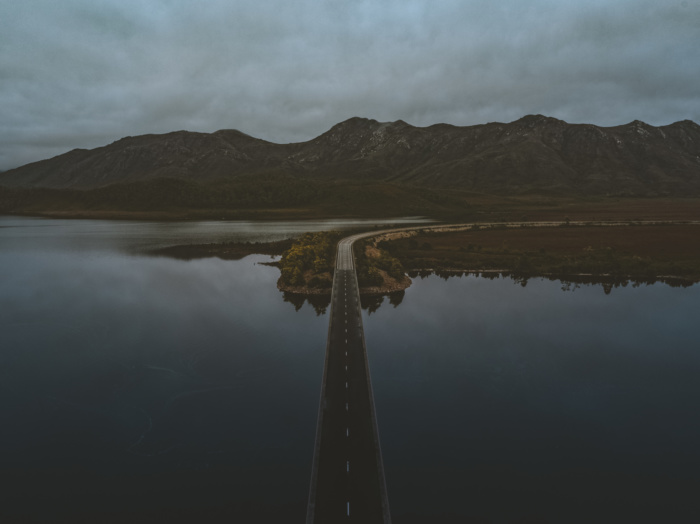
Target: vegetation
x,y
243,196
266,190
274,195
641,251
373,264
310,260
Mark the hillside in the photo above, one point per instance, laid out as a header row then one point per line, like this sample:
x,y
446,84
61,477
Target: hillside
x,y
535,154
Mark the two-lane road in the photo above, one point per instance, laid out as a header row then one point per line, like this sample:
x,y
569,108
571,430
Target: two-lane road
x,y
347,483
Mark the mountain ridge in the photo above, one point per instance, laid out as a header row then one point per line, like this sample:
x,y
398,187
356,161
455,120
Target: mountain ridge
x,y
535,153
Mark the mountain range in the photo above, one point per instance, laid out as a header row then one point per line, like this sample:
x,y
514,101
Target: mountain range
x,y
533,154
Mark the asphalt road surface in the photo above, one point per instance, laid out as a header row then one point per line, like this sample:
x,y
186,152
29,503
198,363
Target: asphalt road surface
x,y
347,483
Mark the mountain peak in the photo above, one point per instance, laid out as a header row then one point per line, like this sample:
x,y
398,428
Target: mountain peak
x,y
532,120
639,124
686,123
357,121
533,153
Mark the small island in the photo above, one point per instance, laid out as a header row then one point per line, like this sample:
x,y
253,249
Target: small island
x,y
307,267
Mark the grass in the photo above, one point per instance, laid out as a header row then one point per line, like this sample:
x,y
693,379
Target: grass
x,y
638,252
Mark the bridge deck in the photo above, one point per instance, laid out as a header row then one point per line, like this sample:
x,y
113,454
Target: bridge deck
x,y
347,482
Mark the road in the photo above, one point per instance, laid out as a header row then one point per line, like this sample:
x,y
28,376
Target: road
x,y
347,483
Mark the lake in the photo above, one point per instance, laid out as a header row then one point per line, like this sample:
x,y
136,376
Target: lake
x,y
137,386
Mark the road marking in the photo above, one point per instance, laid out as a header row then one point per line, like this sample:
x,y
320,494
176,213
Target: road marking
x,y
348,509
347,407
347,432
346,353
346,387
347,468
346,368
346,341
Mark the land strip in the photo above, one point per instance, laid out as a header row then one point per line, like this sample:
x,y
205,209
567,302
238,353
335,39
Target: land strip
x,y
590,251
638,251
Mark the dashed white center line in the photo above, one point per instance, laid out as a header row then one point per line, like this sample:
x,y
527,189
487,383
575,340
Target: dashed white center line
x,y
347,432
347,407
347,468
348,509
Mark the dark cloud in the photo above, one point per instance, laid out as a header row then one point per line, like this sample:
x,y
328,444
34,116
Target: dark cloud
x,y
81,73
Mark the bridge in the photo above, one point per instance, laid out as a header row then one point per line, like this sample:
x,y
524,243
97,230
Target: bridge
x,y
347,479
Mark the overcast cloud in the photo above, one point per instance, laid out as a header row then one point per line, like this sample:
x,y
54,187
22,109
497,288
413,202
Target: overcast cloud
x,y
83,73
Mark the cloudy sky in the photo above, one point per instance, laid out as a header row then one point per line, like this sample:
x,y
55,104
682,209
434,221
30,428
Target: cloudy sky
x,y
83,73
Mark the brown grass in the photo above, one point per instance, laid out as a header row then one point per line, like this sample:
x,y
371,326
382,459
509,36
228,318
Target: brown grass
x,y
659,242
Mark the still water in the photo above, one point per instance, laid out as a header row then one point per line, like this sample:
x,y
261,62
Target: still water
x,y
133,385
502,402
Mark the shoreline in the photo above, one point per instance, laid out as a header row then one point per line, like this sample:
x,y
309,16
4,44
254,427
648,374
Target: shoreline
x,y
239,250
593,278
223,250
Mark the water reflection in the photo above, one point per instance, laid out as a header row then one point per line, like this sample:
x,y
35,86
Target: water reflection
x,y
138,237
190,389
568,282
502,403
135,384
319,303
371,303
